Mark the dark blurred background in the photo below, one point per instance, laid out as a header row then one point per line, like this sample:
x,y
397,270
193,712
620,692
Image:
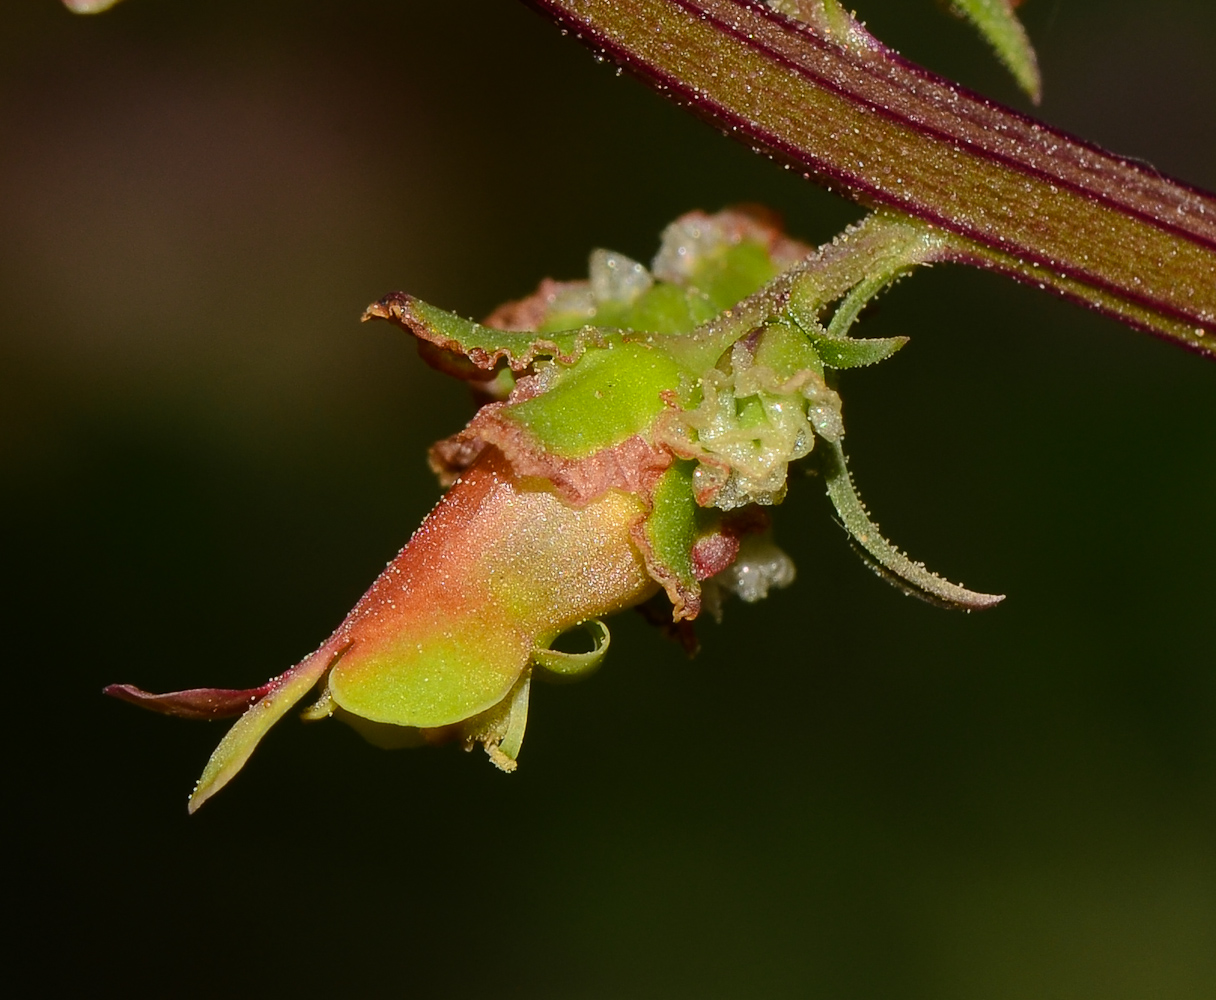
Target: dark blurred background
x,y
848,794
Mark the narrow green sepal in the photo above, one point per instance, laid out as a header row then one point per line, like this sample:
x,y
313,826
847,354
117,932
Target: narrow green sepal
x,y
242,739
846,352
482,345
911,577
671,529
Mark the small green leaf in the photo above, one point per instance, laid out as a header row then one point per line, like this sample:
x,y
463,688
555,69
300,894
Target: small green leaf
x,y
483,345
242,739
845,352
833,344
996,21
913,577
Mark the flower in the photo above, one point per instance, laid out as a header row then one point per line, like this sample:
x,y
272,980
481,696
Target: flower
x,y
636,424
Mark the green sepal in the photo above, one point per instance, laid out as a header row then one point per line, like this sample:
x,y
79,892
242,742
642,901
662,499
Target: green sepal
x,y
673,526
834,345
884,558
558,665
848,352
242,739
607,396
482,345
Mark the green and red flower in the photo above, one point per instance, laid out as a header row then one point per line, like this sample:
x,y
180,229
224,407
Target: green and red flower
x,y
636,425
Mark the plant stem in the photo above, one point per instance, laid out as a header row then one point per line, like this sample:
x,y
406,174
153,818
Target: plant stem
x,y
1015,195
